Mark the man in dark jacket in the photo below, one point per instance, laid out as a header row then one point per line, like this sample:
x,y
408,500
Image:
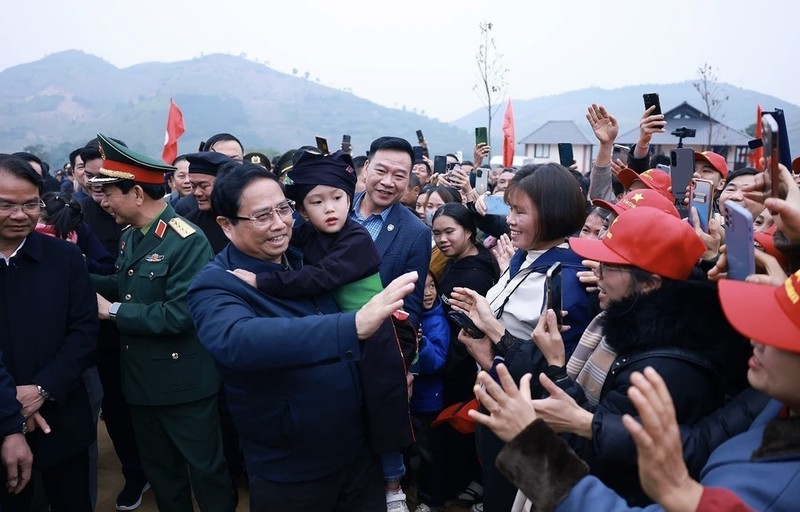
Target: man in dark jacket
x,y
46,355
288,365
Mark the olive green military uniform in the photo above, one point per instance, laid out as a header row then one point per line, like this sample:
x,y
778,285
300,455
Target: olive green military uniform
x,y
168,378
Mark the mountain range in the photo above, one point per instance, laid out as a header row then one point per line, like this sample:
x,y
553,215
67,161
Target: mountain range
x,y
59,102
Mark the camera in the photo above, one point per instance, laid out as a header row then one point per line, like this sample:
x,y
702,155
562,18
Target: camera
x,y
684,132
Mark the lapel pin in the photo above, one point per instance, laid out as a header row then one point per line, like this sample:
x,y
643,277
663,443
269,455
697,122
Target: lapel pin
x,y
390,227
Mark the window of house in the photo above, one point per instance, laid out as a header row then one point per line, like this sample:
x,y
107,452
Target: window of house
x,y
541,150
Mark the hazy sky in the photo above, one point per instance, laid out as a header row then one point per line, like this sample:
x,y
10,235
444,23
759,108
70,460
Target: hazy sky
x,y
421,54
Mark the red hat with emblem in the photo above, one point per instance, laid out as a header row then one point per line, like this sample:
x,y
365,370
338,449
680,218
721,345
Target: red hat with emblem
x,y
644,198
715,160
654,179
767,314
649,239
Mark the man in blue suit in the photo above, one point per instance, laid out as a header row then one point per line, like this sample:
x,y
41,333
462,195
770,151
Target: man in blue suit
x,y
404,244
288,365
402,240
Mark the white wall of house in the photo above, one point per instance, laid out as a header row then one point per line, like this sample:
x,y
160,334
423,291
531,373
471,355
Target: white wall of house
x,y
543,153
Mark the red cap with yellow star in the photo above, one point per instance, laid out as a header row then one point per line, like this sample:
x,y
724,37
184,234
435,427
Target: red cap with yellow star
x,y
646,238
644,198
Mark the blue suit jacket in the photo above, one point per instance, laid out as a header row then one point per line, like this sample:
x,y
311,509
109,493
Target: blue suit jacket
x,y
48,335
288,366
404,244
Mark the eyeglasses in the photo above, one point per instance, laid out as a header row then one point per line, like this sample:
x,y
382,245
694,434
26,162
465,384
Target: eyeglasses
x,y
28,208
264,217
602,267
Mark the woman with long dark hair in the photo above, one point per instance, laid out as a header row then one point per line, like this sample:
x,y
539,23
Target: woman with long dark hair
x,y
62,217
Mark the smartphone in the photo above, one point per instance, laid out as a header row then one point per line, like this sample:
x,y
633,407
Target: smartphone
x,y
701,198
481,135
439,164
419,151
740,246
463,321
770,134
650,99
346,147
681,163
665,168
482,180
565,154
420,137
620,152
553,287
783,137
496,205
322,144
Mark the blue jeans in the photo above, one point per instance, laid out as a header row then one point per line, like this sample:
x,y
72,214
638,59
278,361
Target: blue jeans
x,y
392,466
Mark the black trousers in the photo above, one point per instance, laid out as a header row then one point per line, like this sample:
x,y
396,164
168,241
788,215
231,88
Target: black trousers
x,y
359,487
66,486
117,416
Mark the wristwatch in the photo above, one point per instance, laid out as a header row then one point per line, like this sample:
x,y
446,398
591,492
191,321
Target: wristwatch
x,y
43,392
112,310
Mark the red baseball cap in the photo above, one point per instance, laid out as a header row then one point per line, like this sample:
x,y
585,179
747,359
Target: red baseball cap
x,y
649,239
639,198
767,314
764,240
715,160
654,179
457,415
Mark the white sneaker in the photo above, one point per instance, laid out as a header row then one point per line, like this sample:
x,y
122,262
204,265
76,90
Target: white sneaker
x,y
478,507
396,501
425,508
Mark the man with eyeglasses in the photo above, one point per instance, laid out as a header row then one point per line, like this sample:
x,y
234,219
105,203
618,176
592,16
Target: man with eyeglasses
x,y
45,355
168,379
288,365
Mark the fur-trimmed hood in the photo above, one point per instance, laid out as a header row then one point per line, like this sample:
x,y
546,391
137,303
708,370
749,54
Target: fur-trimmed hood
x,y
683,314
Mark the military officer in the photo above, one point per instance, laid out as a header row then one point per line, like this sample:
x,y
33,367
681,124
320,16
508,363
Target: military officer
x,y
168,378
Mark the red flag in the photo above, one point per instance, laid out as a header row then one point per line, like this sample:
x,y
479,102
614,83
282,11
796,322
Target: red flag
x,y
175,129
756,154
508,136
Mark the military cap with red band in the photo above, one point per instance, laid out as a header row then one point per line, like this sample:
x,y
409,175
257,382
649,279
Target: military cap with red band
x,y
121,163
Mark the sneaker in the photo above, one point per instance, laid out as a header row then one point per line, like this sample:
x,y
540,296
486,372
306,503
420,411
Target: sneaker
x,y
131,496
470,496
425,508
396,501
478,507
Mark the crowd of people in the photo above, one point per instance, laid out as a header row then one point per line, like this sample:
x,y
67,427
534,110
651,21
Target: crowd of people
x,y
361,333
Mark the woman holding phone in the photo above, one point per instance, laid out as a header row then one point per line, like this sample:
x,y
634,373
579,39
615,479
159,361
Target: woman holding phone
x,y
470,263
546,206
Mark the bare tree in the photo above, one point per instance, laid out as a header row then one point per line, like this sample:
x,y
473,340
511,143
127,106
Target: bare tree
x,y
492,87
712,94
